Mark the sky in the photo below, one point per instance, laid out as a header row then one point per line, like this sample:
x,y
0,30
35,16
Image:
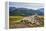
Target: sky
x,y
26,5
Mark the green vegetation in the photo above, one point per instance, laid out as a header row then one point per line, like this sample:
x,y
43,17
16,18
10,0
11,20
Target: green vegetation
x,y
15,18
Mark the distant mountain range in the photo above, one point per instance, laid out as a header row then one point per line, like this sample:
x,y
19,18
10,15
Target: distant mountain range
x,y
13,11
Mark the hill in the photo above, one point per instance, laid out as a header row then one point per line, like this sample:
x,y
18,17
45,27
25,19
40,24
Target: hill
x,y
13,11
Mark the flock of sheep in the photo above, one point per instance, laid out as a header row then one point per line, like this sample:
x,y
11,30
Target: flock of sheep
x,y
31,20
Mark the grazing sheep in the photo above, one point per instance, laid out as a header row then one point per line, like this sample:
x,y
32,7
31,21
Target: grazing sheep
x,y
31,19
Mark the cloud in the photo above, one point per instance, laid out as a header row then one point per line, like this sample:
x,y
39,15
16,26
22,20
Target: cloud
x,y
26,5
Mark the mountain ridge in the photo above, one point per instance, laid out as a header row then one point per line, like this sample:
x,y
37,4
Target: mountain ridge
x,y
13,11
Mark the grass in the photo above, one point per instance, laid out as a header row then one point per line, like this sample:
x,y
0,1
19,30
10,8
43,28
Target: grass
x,y
14,20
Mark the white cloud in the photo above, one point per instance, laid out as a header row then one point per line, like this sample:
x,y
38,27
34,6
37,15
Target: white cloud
x,y
26,5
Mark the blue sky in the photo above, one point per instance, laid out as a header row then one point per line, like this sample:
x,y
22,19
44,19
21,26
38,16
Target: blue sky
x,y
26,5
